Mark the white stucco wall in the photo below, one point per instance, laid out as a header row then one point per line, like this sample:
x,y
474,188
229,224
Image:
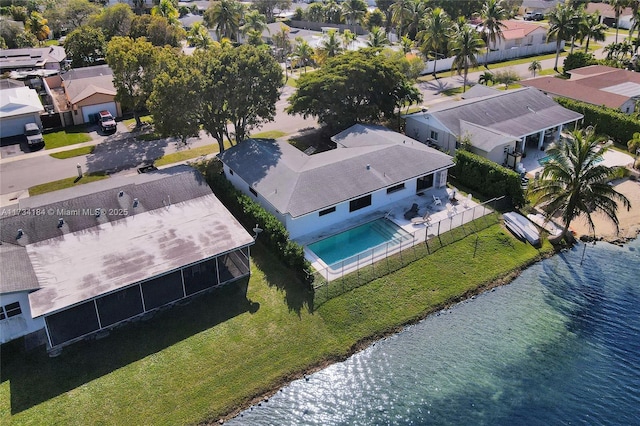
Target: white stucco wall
x,y
629,107
420,129
19,325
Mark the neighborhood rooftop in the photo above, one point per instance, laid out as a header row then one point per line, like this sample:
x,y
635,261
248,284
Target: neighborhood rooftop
x,y
32,57
371,158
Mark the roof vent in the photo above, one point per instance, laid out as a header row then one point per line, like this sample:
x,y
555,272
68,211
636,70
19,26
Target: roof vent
x,y
530,109
60,222
368,166
20,233
120,194
135,202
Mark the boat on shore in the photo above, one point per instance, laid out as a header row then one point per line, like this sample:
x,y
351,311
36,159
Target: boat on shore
x,y
553,229
522,228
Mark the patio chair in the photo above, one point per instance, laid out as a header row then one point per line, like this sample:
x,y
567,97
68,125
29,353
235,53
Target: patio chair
x,y
426,219
467,200
436,200
412,212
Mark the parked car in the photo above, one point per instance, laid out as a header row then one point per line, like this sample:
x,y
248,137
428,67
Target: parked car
x,y
533,16
106,121
34,135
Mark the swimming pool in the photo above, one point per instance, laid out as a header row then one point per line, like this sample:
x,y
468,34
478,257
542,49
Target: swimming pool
x,y
344,248
544,160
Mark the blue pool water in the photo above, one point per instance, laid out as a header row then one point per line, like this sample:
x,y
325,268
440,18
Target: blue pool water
x,y
345,245
558,346
544,160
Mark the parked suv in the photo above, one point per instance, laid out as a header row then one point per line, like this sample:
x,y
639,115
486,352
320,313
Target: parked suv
x,y
33,134
107,122
533,16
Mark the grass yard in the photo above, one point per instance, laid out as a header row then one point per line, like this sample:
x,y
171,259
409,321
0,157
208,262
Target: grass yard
x,y
186,154
270,134
131,122
66,137
200,361
85,150
65,183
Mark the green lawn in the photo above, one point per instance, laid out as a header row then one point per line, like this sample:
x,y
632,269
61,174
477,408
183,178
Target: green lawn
x,y
73,152
198,362
186,154
271,134
130,122
452,91
65,183
66,137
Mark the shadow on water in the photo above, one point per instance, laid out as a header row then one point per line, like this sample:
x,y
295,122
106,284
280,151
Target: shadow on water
x,y
297,295
35,378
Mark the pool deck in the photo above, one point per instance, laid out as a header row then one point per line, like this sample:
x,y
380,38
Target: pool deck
x,y
442,218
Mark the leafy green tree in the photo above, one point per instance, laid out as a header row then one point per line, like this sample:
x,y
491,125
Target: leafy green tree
x,y
465,45
485,78
36,24
173,102
593,29
534,67
332,12
134,67
411,66
633,145
212,101
224,16
25,39
3,43
433,38
113,21
561,23
578,60
377,38
406,43
84,46
157,30
492,15
267,7
198,36
315,12
374,19
348,38
282,43
18,13
354,11
77,13
357,86
574,182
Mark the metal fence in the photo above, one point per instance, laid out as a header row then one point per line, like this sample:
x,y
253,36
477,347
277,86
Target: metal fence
x,y
388,257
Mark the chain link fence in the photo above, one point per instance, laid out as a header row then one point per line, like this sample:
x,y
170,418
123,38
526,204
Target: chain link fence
x,y
388,257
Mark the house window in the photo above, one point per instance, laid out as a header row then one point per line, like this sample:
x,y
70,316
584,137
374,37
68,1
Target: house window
x,y
10,310
424,182
434,135
395,188
360,203
253,191
327,211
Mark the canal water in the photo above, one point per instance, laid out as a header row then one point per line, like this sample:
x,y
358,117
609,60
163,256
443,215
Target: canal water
x,y
559,345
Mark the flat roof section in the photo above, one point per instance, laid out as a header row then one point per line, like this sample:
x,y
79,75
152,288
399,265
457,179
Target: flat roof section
x,y
78,266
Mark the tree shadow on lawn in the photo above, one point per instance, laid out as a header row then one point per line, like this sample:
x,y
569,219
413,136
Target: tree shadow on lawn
x,y
297,295
121,151
35,378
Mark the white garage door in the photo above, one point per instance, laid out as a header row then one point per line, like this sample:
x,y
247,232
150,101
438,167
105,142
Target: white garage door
x,y
89,110
15,126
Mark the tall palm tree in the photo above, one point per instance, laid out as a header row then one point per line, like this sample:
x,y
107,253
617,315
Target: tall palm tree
x,y
574,183
417,10
354,11
167,10
224,16
198,36
485,78
348,37
561,23
579,26
593,29
254,21
492,15
302,53
465,45
400,14
332,12
433,38
635,13
36,24
377,37
535,66
618,6
329,47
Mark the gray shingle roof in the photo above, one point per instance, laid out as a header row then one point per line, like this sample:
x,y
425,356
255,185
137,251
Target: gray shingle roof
x,y
517,112
16,272
298,184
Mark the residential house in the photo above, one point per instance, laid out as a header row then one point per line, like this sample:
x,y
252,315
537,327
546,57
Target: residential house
x,y
596,84
32,58
18,106
82,92
608,15
542,6
83,260
520,33
371,167
498,126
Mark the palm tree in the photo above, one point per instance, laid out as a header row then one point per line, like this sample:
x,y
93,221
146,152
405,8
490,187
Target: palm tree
x,y
579,26
485,78
574,183
417,10
400,14
198,36
618,6
353,11
332,12
433,38
465,45
224,16
36,24
302,53
167,10
492,15
535,66
561,23
406,43
593,29
329,47
635,12
254,21
377,38
348,37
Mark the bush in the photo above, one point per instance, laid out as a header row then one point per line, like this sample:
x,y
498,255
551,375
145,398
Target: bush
x,y
608,121
249,213
578,60
487,177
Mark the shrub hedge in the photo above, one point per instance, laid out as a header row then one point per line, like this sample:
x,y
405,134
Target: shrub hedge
x,y
618,126
487,177
249,213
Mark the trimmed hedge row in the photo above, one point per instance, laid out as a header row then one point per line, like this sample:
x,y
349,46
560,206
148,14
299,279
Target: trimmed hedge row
x,y
487,177
249,213
608,121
